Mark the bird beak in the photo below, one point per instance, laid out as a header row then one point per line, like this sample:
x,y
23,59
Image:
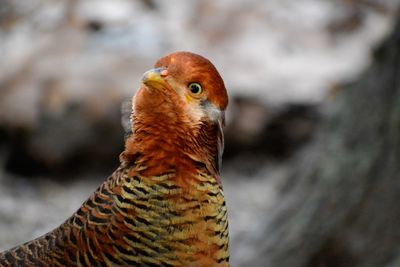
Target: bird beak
x,y
154,78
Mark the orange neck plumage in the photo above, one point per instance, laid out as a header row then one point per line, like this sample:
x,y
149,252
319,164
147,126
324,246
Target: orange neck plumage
x,y
163,141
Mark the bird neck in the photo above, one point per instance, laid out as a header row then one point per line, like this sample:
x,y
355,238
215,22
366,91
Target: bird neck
x,y
162,145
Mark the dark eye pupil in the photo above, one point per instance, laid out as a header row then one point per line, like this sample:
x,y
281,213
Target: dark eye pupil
x,y
195,88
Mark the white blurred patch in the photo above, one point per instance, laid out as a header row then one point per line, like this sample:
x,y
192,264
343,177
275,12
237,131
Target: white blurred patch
x,y
212,112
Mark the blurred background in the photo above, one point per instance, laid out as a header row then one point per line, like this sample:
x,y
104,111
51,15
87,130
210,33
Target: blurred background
x,y
66,67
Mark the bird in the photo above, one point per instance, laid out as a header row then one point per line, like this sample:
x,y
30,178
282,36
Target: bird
x,y
164,205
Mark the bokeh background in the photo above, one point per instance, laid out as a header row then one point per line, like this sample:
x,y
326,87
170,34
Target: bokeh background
x,y
67,66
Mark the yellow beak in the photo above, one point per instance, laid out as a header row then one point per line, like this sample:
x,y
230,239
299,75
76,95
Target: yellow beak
x,y
153,79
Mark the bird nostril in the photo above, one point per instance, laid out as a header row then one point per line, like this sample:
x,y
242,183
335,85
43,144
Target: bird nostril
x,y
164,73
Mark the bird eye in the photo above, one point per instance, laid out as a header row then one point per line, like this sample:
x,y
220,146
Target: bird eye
x,y
195,88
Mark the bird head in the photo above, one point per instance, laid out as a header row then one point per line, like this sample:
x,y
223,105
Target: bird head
x,y
193,82
182,102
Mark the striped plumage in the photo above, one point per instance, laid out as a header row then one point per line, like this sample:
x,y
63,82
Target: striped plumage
x,y
164,205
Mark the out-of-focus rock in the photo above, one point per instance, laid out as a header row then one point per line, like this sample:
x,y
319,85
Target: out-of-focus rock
x,y
273,132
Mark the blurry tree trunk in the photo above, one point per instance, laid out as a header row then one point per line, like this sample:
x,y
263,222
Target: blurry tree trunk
x,y
341,205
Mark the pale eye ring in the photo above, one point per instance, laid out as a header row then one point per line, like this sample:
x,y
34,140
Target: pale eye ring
x,y
195,88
